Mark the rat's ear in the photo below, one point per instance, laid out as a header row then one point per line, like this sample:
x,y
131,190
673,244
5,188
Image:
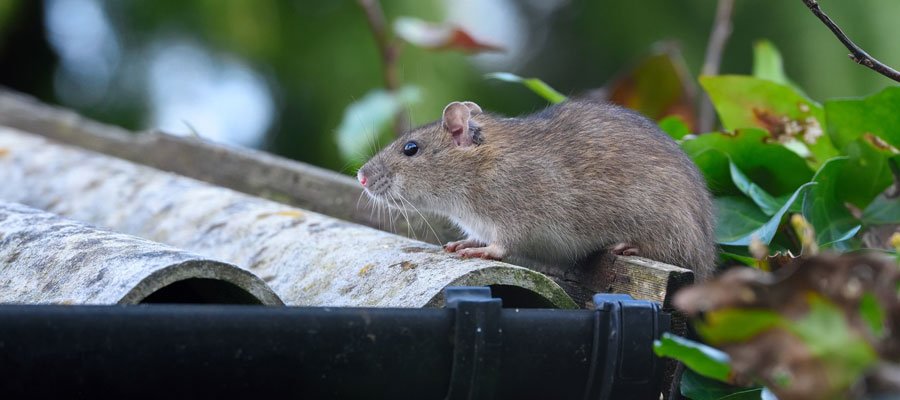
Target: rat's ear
x,y
473,108
456,121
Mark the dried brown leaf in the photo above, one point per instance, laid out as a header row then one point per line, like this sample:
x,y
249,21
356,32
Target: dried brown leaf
x,y
440,36
776,355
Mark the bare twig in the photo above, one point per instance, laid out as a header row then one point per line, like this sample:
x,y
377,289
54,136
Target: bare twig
x,y
388,49
857,54
717,38
390,52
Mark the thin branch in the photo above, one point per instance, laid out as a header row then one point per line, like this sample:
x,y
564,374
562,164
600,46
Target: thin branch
x,y
717,38
857,54
390,52
387,49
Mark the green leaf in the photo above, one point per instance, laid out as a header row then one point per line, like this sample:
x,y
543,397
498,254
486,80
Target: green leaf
x,y
770,165
742,100
768,204
882,211
767,63
739,229
699,357
848,119
746,394
366,122
829,338
823,207
736,325
536,85
872,313
866,174
748,102
736,217
675,127
797,207
843,238
745,260
697,387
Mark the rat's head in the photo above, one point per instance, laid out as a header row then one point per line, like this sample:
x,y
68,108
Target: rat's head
x,y
428,166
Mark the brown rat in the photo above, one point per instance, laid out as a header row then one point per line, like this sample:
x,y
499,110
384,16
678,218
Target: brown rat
x,y
576,178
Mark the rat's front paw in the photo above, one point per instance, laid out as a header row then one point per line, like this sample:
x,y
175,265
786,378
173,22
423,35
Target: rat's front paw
x,y
625,249
491,252
462,244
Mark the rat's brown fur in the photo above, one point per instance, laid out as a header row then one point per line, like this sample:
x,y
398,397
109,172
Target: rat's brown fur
x,y
558,185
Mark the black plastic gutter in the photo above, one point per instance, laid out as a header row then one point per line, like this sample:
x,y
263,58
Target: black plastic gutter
x,y
473,349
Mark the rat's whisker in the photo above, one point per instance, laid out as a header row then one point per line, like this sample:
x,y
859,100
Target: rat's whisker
x,y
402,209
361,193
389,206
400,213
392,220
373,144
372,205
348,164
423,218
378,215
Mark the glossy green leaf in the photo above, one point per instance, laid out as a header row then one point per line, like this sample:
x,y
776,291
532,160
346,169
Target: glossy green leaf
x,y
774,168
736,325
848,119
739,220
699,357
767,63
674,126
768,204
697,387
866,174
366,123
748,102
741,101
534,84
797,207
882,210
849,234
823,207
736,217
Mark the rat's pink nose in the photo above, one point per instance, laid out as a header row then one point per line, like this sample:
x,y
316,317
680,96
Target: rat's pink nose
x,y
361,177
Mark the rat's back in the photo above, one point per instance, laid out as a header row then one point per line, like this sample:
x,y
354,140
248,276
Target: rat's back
x,y
589,176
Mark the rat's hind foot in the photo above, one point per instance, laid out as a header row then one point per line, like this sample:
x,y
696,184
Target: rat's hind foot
x,y
462,244
624,249
491,252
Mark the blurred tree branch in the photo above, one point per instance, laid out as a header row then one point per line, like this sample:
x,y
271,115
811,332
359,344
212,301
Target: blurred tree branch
x,y
390,51
857,54
718,37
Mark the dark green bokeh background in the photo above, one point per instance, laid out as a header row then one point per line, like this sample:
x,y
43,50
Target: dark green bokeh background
x,y
317,57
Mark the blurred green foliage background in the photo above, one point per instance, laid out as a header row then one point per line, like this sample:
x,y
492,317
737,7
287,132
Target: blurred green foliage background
x,y
278,74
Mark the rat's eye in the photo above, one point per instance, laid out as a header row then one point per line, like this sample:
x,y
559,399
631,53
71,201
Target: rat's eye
x,y
410,148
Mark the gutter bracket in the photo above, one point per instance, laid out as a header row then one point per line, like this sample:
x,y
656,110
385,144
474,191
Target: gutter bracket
x,y
477,343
